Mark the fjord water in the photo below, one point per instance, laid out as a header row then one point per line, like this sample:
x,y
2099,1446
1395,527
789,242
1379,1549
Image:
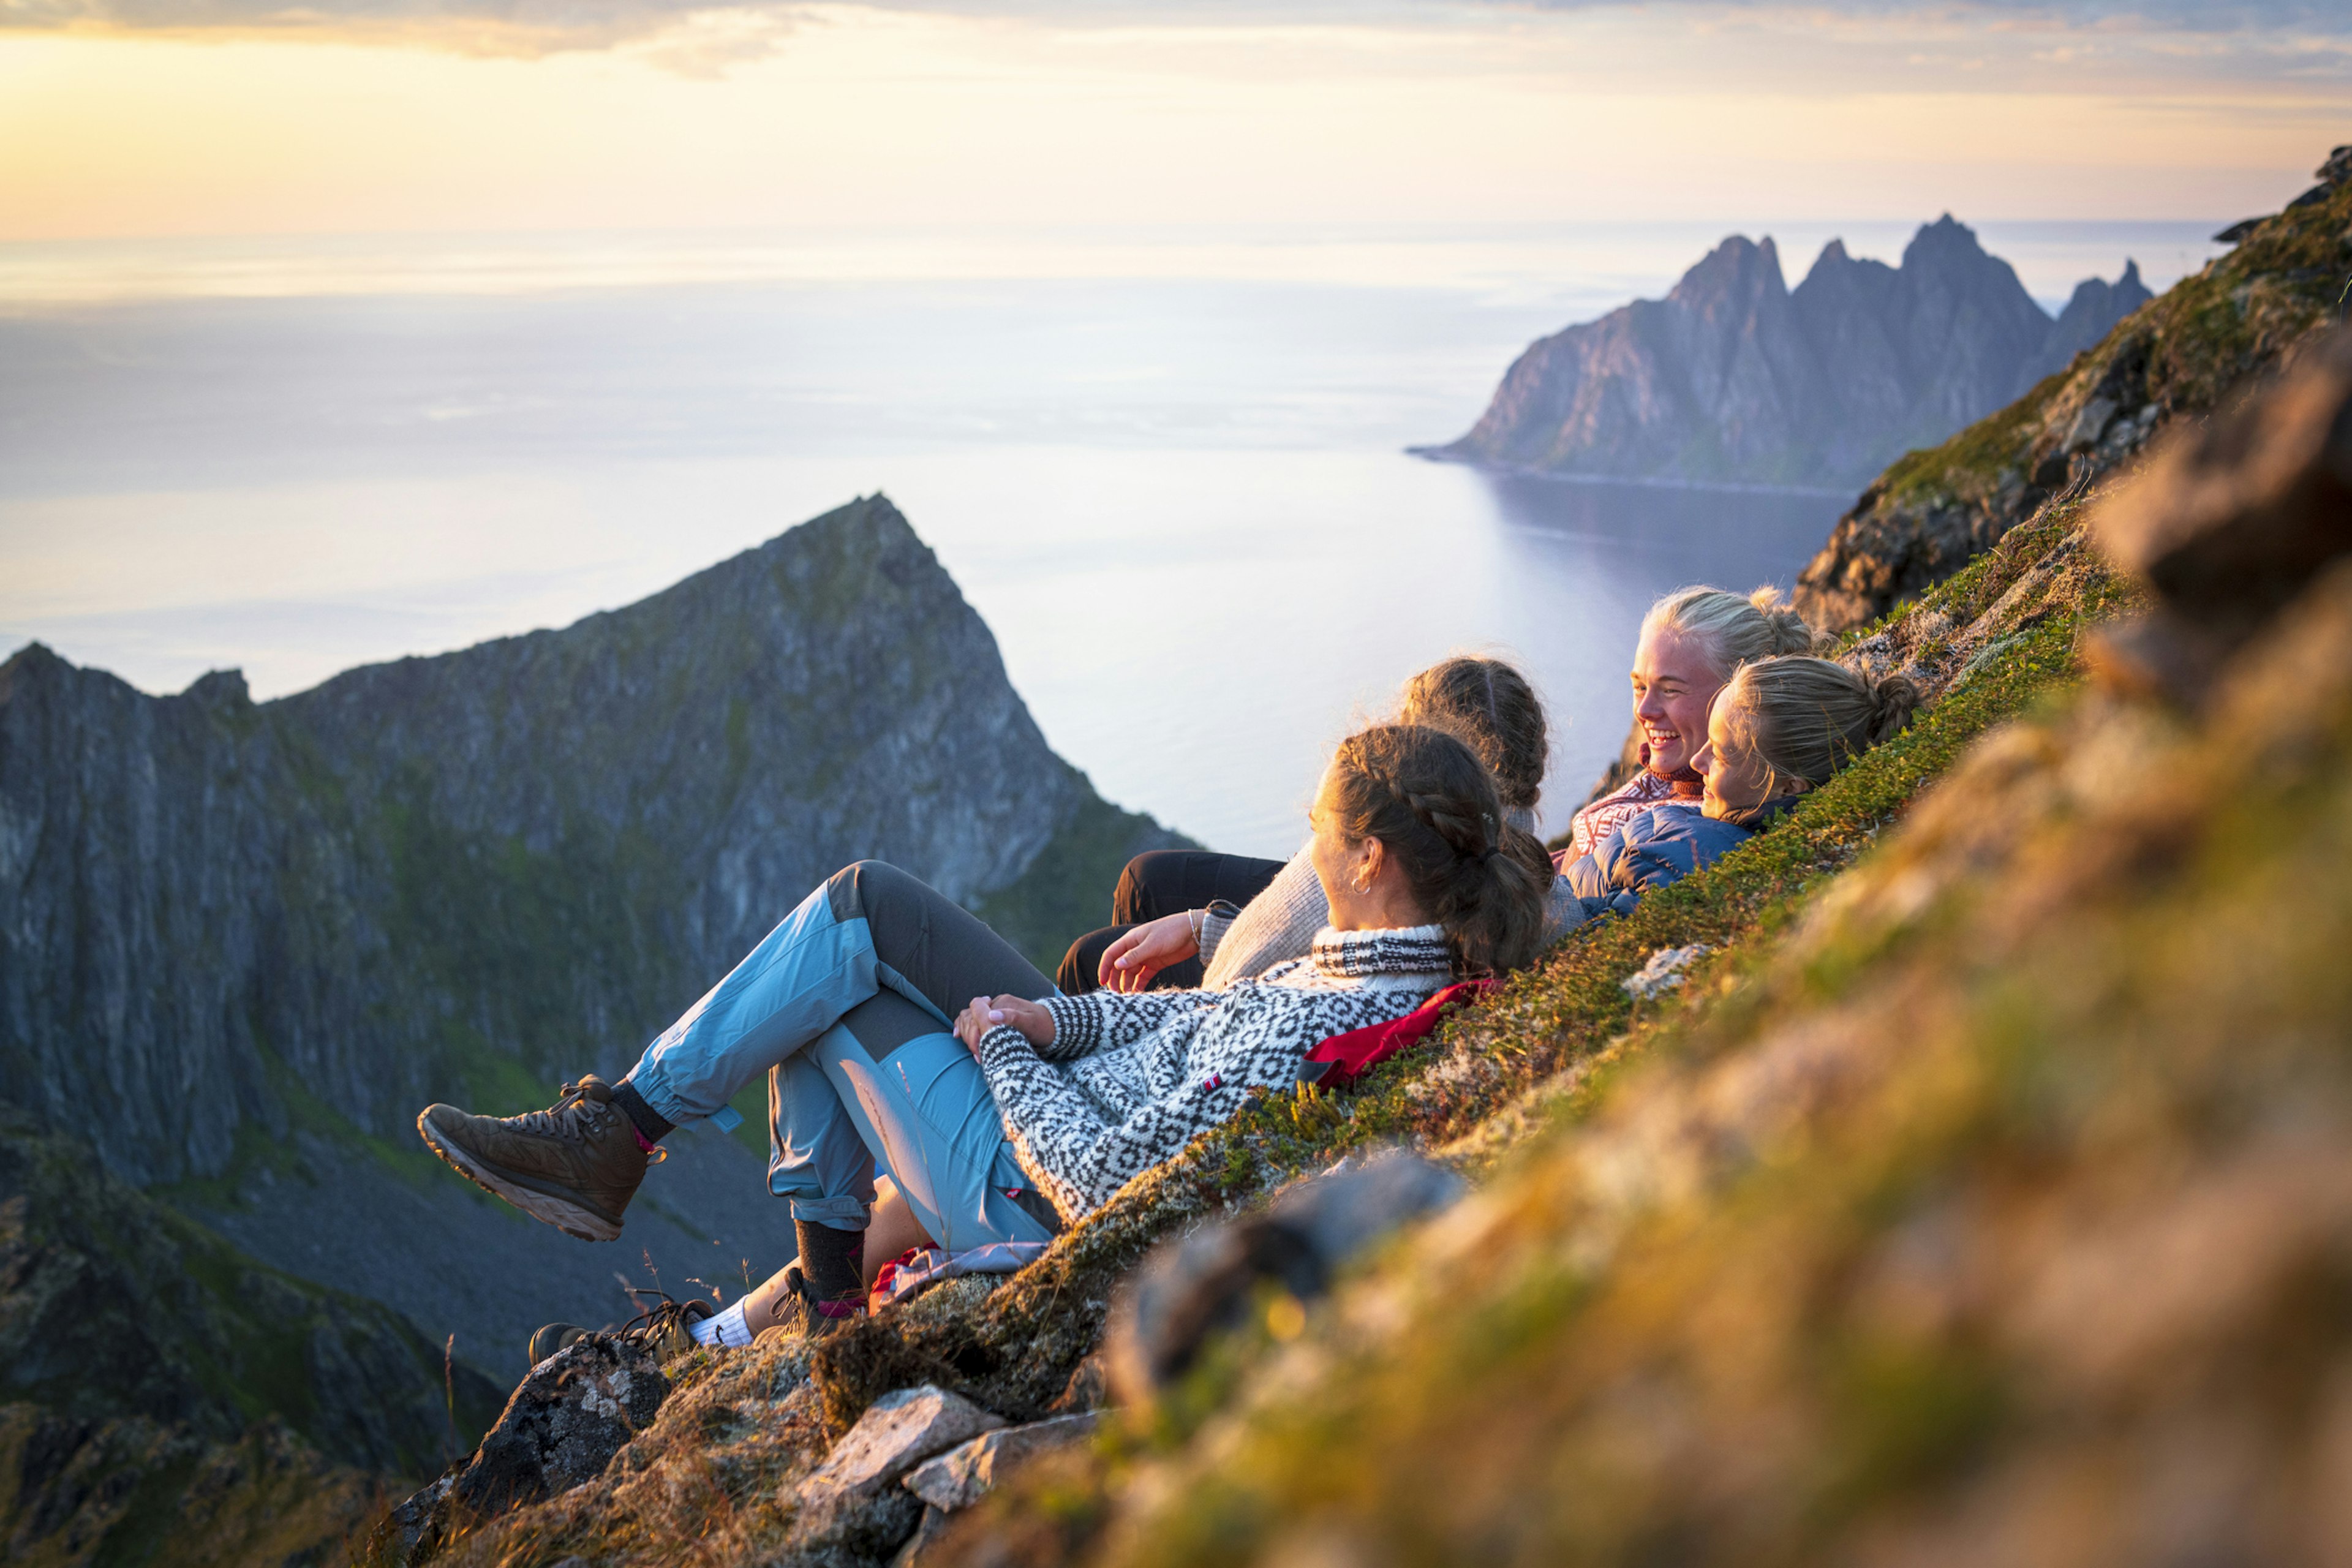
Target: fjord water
x,y
1181,502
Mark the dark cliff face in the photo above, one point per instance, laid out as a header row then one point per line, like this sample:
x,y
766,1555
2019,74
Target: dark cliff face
x,y
165,1398
1733,376
2116,387
427,877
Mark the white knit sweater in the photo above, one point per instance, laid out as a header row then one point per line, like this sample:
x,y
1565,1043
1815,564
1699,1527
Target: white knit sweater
x,y
1128,1080
1277,925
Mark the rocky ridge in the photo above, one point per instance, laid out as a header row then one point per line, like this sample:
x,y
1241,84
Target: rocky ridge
x,y
1734,376
2176,357
244,943
519,859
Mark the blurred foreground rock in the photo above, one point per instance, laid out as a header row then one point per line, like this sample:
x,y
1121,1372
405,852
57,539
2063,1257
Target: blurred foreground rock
x,y
2230,520
1200,1284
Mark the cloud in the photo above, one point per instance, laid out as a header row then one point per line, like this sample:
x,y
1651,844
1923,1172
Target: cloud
x,y
695,34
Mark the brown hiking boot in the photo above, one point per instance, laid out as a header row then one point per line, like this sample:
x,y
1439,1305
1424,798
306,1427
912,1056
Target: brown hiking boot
x,y
575,1164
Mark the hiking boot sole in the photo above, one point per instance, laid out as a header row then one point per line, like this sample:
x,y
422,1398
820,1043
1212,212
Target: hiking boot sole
x,y
563,1214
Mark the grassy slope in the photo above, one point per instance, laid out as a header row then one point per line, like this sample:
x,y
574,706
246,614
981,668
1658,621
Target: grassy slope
x,y
2000,1208
1015,1347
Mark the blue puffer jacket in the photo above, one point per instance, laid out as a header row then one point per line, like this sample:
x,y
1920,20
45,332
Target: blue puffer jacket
x,y
1657,847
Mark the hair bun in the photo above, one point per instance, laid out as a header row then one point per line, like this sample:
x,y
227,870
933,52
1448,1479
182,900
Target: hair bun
x,y
1892,700
1786,629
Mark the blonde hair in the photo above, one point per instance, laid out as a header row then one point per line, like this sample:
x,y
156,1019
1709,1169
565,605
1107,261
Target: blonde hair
x,y
1807,718
1734,630
1489,704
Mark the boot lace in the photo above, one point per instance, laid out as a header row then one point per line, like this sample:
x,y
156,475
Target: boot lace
x,y
649,1325
566,1118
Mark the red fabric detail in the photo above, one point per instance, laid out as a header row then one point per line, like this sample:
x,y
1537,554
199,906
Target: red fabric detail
x,y
1343,1059
886,1273
645,1145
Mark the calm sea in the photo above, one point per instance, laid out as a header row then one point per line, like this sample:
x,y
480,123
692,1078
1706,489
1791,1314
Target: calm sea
x,y
1167,469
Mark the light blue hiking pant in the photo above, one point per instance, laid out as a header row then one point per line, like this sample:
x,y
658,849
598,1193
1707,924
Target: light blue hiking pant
x,y
844,1006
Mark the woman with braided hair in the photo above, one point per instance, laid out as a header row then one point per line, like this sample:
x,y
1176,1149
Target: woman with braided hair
x,y
1032,1107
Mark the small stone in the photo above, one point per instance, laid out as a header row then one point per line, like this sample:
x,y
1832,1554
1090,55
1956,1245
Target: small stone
x,y
2089,425
928,1530
962,1475
897,1432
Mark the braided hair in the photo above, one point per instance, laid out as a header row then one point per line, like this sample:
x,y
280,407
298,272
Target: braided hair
x,y
1489,704
1433,807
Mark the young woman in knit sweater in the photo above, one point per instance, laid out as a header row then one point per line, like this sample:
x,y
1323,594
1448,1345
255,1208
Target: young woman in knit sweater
x,y
1036,1108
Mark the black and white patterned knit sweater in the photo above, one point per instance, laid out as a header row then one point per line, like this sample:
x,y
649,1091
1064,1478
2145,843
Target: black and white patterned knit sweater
x,y
1129,1080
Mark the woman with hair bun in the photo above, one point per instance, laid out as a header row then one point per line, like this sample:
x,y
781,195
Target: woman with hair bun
x,y
1778,728
1691,641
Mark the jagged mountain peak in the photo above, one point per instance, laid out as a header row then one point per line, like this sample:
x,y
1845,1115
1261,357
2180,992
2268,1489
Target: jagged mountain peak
x,y
1738,270
1734,376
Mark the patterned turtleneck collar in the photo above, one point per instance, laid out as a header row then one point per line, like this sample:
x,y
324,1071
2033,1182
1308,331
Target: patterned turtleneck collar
x,y
1375,954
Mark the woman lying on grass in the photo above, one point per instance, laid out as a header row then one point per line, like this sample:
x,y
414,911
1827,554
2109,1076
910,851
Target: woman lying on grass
x,y
1037,1107
1778,728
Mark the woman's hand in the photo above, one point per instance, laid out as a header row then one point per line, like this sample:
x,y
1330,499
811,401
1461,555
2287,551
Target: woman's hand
x,y
1128,963
986,1012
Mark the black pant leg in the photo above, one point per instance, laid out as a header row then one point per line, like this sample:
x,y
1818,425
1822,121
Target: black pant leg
x,y
1081,969
1168,881
1083,963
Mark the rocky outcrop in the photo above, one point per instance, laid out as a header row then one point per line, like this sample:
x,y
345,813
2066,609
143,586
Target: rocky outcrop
x,y
1930,514
154,1380
442,875
1733,376
562,1427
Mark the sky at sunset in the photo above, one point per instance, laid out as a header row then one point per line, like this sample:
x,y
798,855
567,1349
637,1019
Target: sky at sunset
x,y
141,118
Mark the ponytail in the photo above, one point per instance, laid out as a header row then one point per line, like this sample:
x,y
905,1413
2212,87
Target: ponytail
x,y
1434,808
1807,718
